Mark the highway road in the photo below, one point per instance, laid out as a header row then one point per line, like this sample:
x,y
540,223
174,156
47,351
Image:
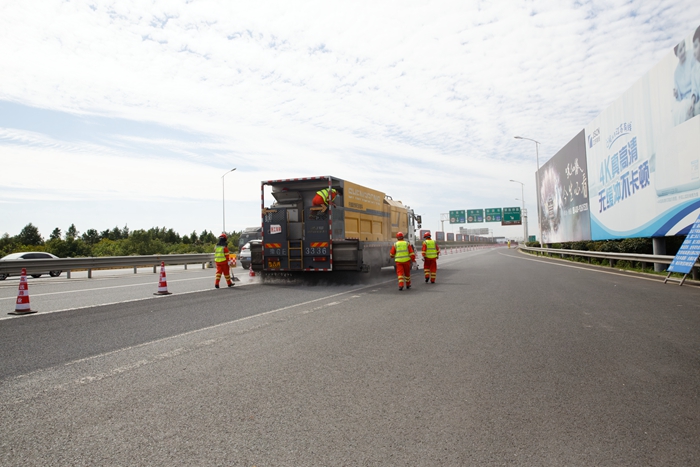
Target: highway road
x,y
508,359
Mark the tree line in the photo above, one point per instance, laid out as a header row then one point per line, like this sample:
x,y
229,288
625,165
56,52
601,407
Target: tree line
x,y
112,242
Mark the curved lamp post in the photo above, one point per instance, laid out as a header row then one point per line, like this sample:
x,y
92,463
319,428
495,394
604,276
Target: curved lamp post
x,y
223,197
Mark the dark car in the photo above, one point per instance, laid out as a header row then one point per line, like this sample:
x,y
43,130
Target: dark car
x,y
30,255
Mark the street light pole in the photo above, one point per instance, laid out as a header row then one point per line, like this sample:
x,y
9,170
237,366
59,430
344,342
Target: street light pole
x,y
537,179
522,198
223,198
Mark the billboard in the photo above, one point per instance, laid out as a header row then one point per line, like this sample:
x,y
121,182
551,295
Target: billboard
x,y
643,152
481,231
563,194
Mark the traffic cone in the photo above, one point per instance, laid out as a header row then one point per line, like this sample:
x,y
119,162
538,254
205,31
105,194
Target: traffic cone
x,y
251,273
22,306
162,284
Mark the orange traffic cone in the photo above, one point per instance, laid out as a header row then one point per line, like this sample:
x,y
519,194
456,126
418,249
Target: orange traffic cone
x,y
22,307
162,284
251,273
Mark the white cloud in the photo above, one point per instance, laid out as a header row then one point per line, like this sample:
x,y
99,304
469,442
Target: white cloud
x,y
418,99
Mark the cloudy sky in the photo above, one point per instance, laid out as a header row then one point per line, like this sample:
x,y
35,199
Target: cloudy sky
x,y
129,112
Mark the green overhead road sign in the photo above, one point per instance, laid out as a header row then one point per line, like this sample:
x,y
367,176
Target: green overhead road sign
x,y
457,217
475,215
493,215
511,216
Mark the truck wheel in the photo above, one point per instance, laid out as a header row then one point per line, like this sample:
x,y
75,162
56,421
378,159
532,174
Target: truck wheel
x,y
55,273
36,276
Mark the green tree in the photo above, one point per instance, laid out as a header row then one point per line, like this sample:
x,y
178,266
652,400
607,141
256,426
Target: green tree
x,y
58,247
72,232
207,237
91,236
56,234
7,244
30,236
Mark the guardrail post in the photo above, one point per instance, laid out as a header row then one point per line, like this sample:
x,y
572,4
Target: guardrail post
x,y
154,269
68,274
89,273
135,269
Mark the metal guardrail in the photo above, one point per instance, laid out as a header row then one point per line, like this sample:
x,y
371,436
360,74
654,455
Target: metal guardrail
x,y
612,257
43,266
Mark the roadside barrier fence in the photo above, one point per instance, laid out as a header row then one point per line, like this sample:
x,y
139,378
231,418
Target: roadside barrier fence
x,y
43,266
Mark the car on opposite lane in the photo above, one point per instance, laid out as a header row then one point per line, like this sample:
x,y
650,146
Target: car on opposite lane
x,y
30,255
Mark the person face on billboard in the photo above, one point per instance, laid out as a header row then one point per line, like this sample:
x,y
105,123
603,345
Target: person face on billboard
x,y
679,50
696,78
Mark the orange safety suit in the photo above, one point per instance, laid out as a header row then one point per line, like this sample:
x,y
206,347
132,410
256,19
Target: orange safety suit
x,y
221,259
430,252
321,198
402,252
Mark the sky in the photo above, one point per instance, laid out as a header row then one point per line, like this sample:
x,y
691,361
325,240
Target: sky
x,y
132,112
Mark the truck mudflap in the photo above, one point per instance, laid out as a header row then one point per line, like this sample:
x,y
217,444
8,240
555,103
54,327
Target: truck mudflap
x,y
256,257
347,255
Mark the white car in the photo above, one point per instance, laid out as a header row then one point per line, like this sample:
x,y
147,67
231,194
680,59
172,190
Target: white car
x,y
244,255
29,255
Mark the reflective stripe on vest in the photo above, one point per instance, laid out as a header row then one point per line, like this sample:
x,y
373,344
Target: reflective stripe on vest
x,y
219,255
430,249
402,254
323,194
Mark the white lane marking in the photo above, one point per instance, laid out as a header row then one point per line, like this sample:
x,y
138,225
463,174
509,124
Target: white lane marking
x,y
288,307
150,284
555,262
150,297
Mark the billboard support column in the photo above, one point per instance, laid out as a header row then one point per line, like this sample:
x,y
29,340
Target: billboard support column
x,y
659,248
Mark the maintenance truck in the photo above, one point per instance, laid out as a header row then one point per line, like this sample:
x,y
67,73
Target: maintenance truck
x,y
355,232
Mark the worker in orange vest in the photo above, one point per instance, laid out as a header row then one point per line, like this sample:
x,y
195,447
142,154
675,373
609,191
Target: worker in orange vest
x,y
430,252
221,259
402,252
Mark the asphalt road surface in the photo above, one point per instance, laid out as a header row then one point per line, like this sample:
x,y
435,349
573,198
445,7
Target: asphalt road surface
x,y
508,359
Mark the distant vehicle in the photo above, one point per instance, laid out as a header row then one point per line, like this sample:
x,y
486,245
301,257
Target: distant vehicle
x,y
30,255
244,255
248,234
